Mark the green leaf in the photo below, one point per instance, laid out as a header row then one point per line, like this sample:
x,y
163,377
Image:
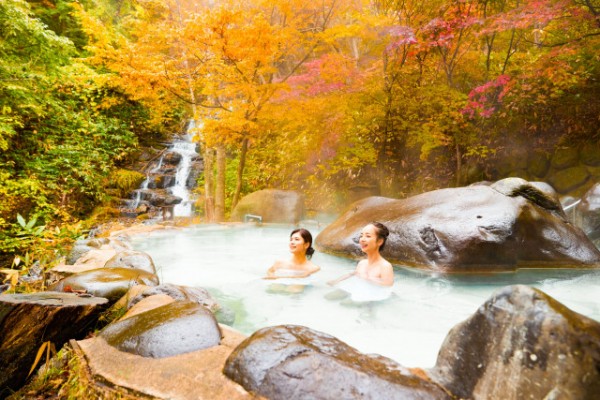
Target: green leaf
x,y
21,221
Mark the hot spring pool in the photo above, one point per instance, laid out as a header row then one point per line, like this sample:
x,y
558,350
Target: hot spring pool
x,y
409,327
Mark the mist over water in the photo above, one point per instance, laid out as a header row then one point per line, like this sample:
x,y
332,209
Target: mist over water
x,y
229,261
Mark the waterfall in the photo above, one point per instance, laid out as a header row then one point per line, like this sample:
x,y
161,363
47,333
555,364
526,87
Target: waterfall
x,y
170,175
137,196
187,149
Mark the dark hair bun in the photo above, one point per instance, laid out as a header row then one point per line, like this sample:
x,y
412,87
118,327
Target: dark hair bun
x,y
310,251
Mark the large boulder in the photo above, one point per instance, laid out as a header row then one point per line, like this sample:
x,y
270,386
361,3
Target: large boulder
x,y
110,283
174,328
271,205
132,259
295,362
521,344
27,321
509,224
176,292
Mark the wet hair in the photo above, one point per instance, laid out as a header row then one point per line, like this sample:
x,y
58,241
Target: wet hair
x,y
382,232
307,239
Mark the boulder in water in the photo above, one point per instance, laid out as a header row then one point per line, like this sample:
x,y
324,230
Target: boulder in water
x,y
507,225
271,205
521,344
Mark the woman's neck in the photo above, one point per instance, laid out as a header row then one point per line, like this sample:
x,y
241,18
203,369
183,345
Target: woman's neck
x,y
373,257
298,259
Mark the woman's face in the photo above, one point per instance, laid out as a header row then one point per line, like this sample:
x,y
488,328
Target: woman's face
x,y
368,239
297,244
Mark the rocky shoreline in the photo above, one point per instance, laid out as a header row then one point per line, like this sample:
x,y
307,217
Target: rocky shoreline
x,y
172,342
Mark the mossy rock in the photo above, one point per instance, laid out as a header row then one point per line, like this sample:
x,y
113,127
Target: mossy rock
x,y
569,179
169,330
539,163
590,154
125,181
565,157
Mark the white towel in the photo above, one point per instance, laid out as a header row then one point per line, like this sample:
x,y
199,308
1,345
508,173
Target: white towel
x,y
362,290
292,281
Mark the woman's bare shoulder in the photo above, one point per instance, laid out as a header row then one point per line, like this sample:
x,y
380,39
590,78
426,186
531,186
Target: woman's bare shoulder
x,y
279,264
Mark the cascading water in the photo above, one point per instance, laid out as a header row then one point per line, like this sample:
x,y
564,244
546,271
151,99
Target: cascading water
x,y
169,177
187,149
137,195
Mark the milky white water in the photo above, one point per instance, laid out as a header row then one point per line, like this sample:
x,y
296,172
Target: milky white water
x,y
229,261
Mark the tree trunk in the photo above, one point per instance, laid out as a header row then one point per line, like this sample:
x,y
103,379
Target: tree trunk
x,y
220,184
209,185
240,173
458,164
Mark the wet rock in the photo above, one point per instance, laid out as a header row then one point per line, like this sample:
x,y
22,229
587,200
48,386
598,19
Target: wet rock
x,y
295,362
278,206
147,304
521,344
165,200
83,247
132,259
190,376
172,158
29,320
507,225
586,214
110,283
175,328
183,293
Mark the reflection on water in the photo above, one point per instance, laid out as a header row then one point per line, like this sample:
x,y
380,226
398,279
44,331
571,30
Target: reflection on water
x,y
409,327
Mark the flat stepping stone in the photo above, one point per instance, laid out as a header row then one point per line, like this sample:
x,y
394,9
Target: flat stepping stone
x,y
190,376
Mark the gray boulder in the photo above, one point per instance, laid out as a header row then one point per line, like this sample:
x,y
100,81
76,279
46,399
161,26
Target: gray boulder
x,y
295,362
110,283
521,344
132,259
182,293
507,225
271,205
175,328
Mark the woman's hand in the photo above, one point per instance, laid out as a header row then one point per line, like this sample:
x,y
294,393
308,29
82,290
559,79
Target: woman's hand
x,y
341,278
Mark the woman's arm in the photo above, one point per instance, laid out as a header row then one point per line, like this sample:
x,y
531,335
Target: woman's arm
x,y
341,278
271,271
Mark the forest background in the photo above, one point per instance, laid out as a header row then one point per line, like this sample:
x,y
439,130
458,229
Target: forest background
x,y
327,97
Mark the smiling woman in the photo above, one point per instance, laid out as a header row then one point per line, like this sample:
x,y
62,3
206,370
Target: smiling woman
x,y
299,266
375,269
294,272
